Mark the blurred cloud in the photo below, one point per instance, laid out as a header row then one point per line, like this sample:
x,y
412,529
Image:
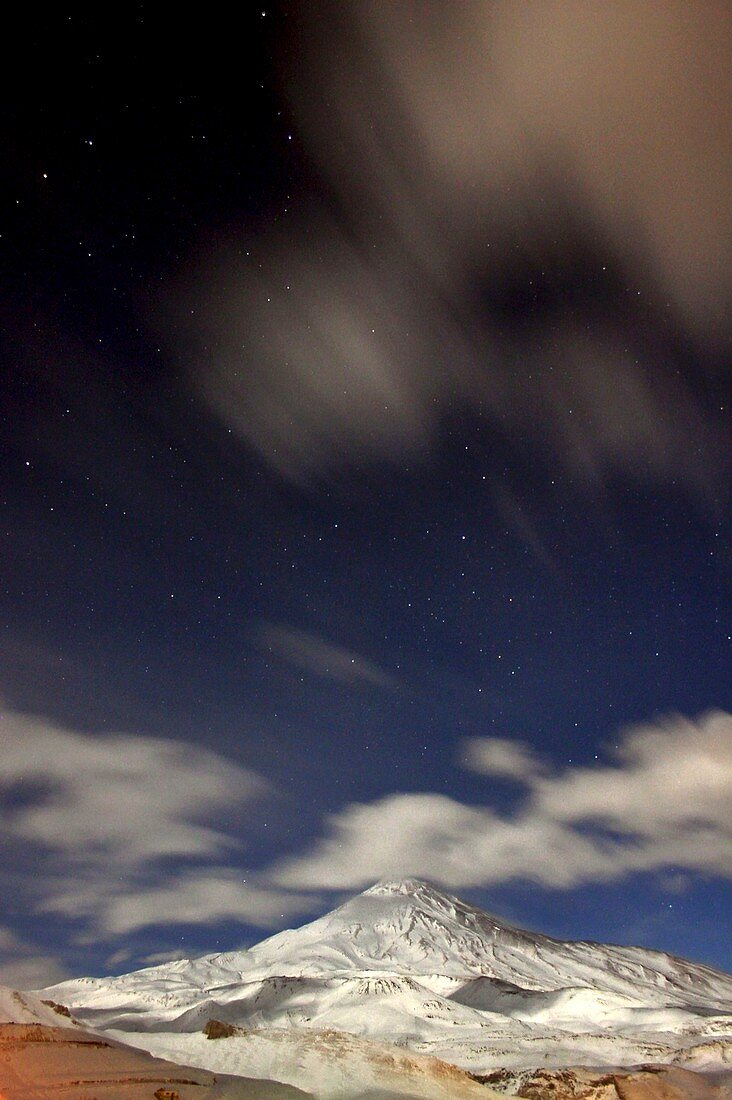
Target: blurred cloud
x,y
33,972
499,756
434,837
100,818
23,966
97,818
527,219
189,897
312,654
667,805
631,98
123,798
158,957
673,776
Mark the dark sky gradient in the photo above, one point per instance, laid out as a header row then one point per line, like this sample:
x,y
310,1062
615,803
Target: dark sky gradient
x,y
329,611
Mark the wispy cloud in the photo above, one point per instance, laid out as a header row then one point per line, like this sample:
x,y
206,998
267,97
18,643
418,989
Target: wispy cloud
x,y
24,966
311,653
529,263
97,822
502,757
666,804
119,797
190,896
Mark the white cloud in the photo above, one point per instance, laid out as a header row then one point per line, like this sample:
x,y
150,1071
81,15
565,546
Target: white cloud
x,y
34,972
347,339
23,966
158,957
435,837
666,805
395,835
676,775
188,897
499,756
102,812
120,797
313,654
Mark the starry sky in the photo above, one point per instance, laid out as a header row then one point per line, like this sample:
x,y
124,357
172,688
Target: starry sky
x,y
364,491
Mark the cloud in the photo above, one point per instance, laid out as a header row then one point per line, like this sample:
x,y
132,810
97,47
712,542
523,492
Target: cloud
x,y
23,966
101,817
98,820
158,957
606,89
435,837
34,972
118,797
667,805
188,897
312,654
381,839
672,778
499,756
527,222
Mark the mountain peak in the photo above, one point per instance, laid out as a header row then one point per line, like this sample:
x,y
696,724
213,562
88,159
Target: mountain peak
x,y
401,886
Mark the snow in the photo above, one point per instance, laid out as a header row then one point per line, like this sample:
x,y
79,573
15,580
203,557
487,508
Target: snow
x,y
331,1064
405,963
27,1008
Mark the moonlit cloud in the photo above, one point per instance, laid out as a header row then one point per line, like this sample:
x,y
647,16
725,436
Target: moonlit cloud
x,y
667,804
311,653
481,92
529,223
499,756
33,972
24,966
188,897
382,839
671,779
123,798
101,815
435,837
159,957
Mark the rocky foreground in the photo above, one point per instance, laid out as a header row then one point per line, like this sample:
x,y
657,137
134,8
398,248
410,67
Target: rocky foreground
x,y
45,1053
38,1062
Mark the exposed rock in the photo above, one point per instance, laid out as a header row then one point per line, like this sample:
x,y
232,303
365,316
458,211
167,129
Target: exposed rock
x,y
61,1009
215,1029
641,1083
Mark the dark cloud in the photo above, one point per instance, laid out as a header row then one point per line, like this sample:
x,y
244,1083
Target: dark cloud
x,y
527,219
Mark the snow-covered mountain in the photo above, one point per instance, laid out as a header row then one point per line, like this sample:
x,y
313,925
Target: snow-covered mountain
x,y
405,963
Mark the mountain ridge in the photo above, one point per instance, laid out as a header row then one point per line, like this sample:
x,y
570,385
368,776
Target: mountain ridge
x,y
411,926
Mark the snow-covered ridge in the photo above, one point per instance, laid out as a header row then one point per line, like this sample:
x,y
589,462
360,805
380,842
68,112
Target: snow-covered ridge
x,y
27,1008
405,962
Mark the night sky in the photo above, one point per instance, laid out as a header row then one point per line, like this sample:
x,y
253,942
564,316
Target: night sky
x,y
365,472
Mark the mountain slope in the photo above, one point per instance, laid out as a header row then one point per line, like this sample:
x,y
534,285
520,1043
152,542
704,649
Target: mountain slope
x,y
332,1064
410,927
404,962
42,1051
